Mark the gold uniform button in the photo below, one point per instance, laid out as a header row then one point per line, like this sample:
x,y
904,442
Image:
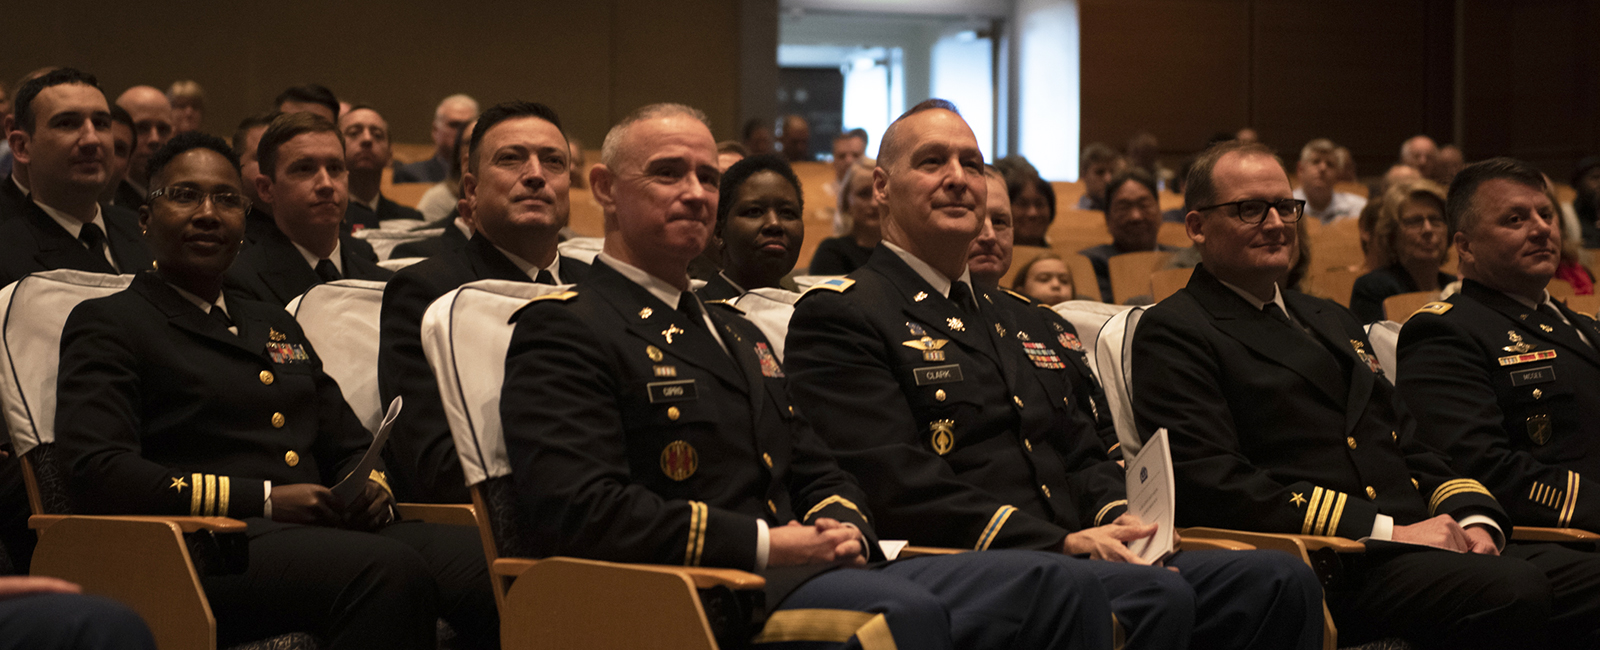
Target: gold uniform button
x,y
768,458
1046,489
1371,493
266,377
277,420
1018,400
1028,445
673,413
939,394
1350,441
291,459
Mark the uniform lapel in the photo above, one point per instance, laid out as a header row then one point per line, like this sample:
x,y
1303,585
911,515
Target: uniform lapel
x,y
652,320
186,316
1271,339
58,249
925,306
745,359
991,317
488,263
1531,322
1313,313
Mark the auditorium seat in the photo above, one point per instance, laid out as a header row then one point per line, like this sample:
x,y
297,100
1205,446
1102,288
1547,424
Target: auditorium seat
x,y
1165,282
1335,284
1399,307
1130,273
1560,289
1174,235
384,240
407,194
587,218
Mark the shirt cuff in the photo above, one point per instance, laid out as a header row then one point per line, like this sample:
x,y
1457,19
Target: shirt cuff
x,y
763,545
1489,524
1383,528
266,501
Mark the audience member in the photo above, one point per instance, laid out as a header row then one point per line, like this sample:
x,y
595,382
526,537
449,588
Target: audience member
x,y
1245,134
456,229
8,162
759,227
313,98
580,164
794,138
743,479
40,613
989,256
846,253
367,154
1179,180
152,127
1366,227
188,105
116,191
164,391
1410,237
1422,153
1098,165
1586,202
452,113
258,223
1280,420
1144,152
1344,165
757,137
305,184
514,196
848,147
1134,219
1451,162
728,153
1046,279
1318,171
1573,268
996,447
1033,207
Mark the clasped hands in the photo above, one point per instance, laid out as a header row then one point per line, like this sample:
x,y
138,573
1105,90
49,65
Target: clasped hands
x,y
312,504
823,542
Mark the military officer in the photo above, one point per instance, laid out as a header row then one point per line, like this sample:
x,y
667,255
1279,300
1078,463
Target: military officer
x,y
1281,420
952,404
643,427
177,398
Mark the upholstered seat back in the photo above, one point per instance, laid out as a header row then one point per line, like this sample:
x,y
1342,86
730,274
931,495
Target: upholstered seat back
x,y
341,321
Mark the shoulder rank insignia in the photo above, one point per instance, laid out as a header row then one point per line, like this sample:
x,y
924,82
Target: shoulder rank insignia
x,y
1436,308
840,285
562,296
1018,296
728,304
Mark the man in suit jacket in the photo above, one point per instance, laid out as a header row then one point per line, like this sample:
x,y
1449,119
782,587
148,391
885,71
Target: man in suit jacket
x,y
452,113
515,192
1501,377
951,404
643,428
152,127
259,224
305,185
455,235
367,153
1280,420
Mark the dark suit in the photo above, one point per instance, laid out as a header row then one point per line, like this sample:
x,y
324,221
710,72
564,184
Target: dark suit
x,y
35,242
627,447
451,239
432,170
1366,299
719,287
420,444
128,197
1276,429
161,410
259,225
13,201
274,271
358,214
988,442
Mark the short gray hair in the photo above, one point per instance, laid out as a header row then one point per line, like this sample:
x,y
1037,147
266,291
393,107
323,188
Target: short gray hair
x,y
610,149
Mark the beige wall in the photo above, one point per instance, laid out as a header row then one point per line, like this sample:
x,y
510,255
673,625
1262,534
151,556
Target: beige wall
x,y
592,60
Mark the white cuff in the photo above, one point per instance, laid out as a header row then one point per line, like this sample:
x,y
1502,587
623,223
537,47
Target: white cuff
x,y
763,545
1383,528
1488,524
266,501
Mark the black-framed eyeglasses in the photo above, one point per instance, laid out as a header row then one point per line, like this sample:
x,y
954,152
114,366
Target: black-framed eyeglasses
x,y
189,197
1252,211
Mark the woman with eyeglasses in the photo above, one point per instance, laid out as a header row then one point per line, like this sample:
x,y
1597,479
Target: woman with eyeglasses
x,y
1412,238
175,398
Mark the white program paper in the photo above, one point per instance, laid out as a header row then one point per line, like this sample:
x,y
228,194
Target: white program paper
x,y
1151,497
349,489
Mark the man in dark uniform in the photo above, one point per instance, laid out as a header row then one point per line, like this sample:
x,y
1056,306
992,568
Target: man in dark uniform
x,y
950,402
1281,421
367,154
63,136
175,398
305,180
643,428
456,230
515,190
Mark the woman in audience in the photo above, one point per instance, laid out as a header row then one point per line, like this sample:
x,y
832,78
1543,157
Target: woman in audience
x,y
1033,206
1045,278
759,222
1412,238
844,254
1574,265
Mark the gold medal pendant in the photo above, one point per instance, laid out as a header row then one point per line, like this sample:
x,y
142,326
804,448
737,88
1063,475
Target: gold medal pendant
x,y
944,436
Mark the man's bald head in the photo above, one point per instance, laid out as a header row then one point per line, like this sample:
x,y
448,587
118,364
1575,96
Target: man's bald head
x,y
152,126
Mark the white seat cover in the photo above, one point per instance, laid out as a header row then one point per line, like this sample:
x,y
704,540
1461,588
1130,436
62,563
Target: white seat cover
x,y
384,240
1088,316
1113,352
341,320
33,310
1385,337
770,310
582,249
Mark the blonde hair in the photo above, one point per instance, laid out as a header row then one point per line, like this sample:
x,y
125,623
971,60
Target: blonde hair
x,y
1387,227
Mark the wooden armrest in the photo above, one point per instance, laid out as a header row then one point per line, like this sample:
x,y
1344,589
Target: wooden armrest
x,y
919,551
1213,544
702,577
1538,534
185,524
453,514
1277,541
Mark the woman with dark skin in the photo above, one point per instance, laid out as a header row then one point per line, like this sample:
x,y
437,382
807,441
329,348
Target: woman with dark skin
x,y
844,254
759,221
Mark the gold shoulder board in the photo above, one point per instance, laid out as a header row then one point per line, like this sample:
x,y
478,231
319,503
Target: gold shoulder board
x,y
1018,296
562,296
1435,308
840,285
728,304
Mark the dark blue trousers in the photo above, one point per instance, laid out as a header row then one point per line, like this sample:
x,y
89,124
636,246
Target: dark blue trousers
x,y
70,622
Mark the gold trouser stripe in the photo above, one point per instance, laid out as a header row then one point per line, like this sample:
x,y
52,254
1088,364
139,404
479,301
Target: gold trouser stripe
x,y
1571,503
1001,514
1102,514
828,626
196,480
1338,512
830,501
222,496
694,528
1311,511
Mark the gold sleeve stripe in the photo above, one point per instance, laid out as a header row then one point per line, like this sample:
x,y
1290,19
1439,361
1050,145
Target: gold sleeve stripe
x,y
1311,511
196,480
1328,499
1453,488
1571,504
696,526
1338,512
211,495
1099,516
830,501
222,496
828,626
990,531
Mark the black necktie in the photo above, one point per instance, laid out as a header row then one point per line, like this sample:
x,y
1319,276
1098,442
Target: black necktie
x,y
93,239
1277,314
961,295
219,317
690,307
327,271
545,277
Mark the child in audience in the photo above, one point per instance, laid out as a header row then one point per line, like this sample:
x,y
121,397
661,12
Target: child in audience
x,y
1045,278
